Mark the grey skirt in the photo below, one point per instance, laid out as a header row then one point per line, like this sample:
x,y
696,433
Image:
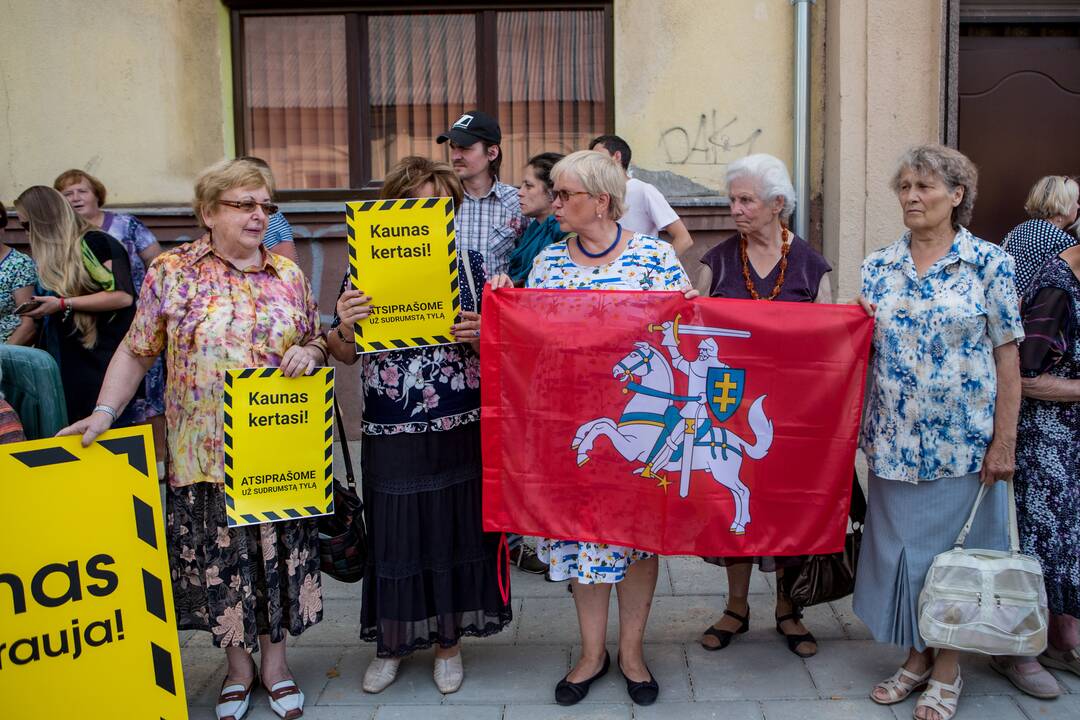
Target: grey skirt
x,y
908,524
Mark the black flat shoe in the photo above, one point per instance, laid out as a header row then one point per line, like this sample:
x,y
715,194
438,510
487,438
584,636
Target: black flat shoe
x,y
571,693
724,636
642,693
793,641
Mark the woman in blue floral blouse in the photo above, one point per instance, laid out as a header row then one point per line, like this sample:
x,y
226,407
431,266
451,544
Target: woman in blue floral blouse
x,y
941,412
432,573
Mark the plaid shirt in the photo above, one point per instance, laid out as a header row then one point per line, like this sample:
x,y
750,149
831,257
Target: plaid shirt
x,y
491,225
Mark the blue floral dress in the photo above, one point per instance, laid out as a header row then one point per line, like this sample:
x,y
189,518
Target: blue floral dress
x,y
1047,452
647,263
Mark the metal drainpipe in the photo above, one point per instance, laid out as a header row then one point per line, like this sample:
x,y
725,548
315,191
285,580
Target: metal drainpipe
x,y
801,170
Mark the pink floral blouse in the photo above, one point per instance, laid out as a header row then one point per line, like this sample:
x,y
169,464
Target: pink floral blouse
x,y
207,317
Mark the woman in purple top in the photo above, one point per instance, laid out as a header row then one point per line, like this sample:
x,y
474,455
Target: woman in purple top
x,y
764,261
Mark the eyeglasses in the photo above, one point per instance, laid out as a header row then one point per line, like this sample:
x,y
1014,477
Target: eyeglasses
x,y
250,205
564,195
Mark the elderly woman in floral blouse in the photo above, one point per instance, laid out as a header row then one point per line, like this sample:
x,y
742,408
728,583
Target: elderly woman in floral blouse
x,y
941,413
216,303
432,574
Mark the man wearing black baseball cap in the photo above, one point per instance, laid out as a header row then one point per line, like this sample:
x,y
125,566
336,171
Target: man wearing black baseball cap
x,y
489,219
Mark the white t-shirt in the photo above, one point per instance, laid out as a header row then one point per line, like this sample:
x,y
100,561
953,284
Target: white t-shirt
x,y
647,212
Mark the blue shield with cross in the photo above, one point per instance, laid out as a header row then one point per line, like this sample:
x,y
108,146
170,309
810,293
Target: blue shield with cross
x,y
724,391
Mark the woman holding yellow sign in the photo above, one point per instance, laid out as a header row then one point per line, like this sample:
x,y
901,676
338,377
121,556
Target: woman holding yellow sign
x,y
217,303
432,573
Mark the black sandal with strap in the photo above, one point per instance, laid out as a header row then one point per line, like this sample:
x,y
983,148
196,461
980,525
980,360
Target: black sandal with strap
x,y
793,641
724,636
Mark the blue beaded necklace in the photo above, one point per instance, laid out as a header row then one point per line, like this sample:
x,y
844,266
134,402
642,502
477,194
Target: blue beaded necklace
x,y
618,236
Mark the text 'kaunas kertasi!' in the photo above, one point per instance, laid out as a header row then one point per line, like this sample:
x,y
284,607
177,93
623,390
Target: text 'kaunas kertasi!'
x,y
256,418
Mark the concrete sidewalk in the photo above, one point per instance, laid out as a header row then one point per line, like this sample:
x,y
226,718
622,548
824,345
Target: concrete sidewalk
x,y
512,676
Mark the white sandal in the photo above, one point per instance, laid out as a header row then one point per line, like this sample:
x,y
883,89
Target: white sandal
x,y
932,698
900,685
286,700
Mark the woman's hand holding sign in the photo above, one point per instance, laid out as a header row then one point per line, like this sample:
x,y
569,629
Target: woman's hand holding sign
x,y
467,328
353,306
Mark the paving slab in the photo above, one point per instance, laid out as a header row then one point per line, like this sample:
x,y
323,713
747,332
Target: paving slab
x,y
825,710
260,710
850,669
413,686
666,662
444,712
693,576
853,627
340,625
758,671
203,668
512,674
311,667
580,711
974,707
701,710
1066,707
1068,680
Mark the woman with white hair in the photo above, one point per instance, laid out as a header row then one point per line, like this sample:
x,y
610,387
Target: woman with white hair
x,y
763,261
589,197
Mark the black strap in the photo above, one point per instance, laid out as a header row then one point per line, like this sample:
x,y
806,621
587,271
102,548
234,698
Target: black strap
x,y
857,512
345,454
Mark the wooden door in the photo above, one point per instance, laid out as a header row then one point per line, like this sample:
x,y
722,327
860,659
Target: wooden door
x,y
1018,118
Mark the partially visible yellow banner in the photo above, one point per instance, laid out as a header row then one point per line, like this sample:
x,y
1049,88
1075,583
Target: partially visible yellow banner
x,y
279,440
402,253
87,626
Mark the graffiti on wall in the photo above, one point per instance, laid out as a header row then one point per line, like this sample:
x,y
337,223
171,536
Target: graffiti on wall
x,y
714,140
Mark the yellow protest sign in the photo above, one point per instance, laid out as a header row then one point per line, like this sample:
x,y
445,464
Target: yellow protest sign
x,y
279,445
402,253
87,626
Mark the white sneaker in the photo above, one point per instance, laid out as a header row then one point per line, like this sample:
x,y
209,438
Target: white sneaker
x,y
449,673
380,673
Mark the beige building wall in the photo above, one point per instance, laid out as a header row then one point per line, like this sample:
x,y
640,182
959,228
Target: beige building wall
x,y
130,90
701,83
883,94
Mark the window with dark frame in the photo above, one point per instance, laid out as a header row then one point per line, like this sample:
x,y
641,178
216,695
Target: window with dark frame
x,y
331,100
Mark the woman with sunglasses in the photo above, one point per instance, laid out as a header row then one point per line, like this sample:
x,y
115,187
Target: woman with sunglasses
x,y
589,197
222,302
85,297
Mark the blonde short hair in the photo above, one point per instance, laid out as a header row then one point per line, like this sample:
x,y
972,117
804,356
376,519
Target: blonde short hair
x,y
219,178
599,175
952,166
1050,196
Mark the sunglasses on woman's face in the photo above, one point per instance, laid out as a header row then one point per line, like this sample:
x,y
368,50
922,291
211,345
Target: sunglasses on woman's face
x,y
249,206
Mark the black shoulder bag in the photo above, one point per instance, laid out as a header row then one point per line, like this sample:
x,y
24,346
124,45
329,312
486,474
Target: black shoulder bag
x,y
343,535
824,578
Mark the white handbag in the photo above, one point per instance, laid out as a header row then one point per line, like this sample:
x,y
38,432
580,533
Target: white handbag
x,y
985,601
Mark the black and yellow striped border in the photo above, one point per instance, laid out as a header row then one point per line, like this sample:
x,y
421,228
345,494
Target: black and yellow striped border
x,y
447,205
236,519
143,524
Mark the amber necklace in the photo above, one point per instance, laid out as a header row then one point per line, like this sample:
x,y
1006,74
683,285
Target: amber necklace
x,y
785,246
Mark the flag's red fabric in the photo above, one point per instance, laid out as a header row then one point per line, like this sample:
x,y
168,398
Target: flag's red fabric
x,y
579,391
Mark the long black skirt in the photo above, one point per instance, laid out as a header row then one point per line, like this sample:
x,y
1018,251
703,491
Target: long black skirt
x,y
432,574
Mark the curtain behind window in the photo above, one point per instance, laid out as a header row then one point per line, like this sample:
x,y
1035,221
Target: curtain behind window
x,y
551,83
423,77
296,98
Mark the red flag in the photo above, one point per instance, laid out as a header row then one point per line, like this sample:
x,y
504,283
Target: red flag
x,y
738,441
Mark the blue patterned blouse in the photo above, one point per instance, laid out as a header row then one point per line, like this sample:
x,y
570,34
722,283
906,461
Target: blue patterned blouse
x,y
930,409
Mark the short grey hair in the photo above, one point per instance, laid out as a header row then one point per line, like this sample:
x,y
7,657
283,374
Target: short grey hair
x,y
599,175
771,176
952,166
